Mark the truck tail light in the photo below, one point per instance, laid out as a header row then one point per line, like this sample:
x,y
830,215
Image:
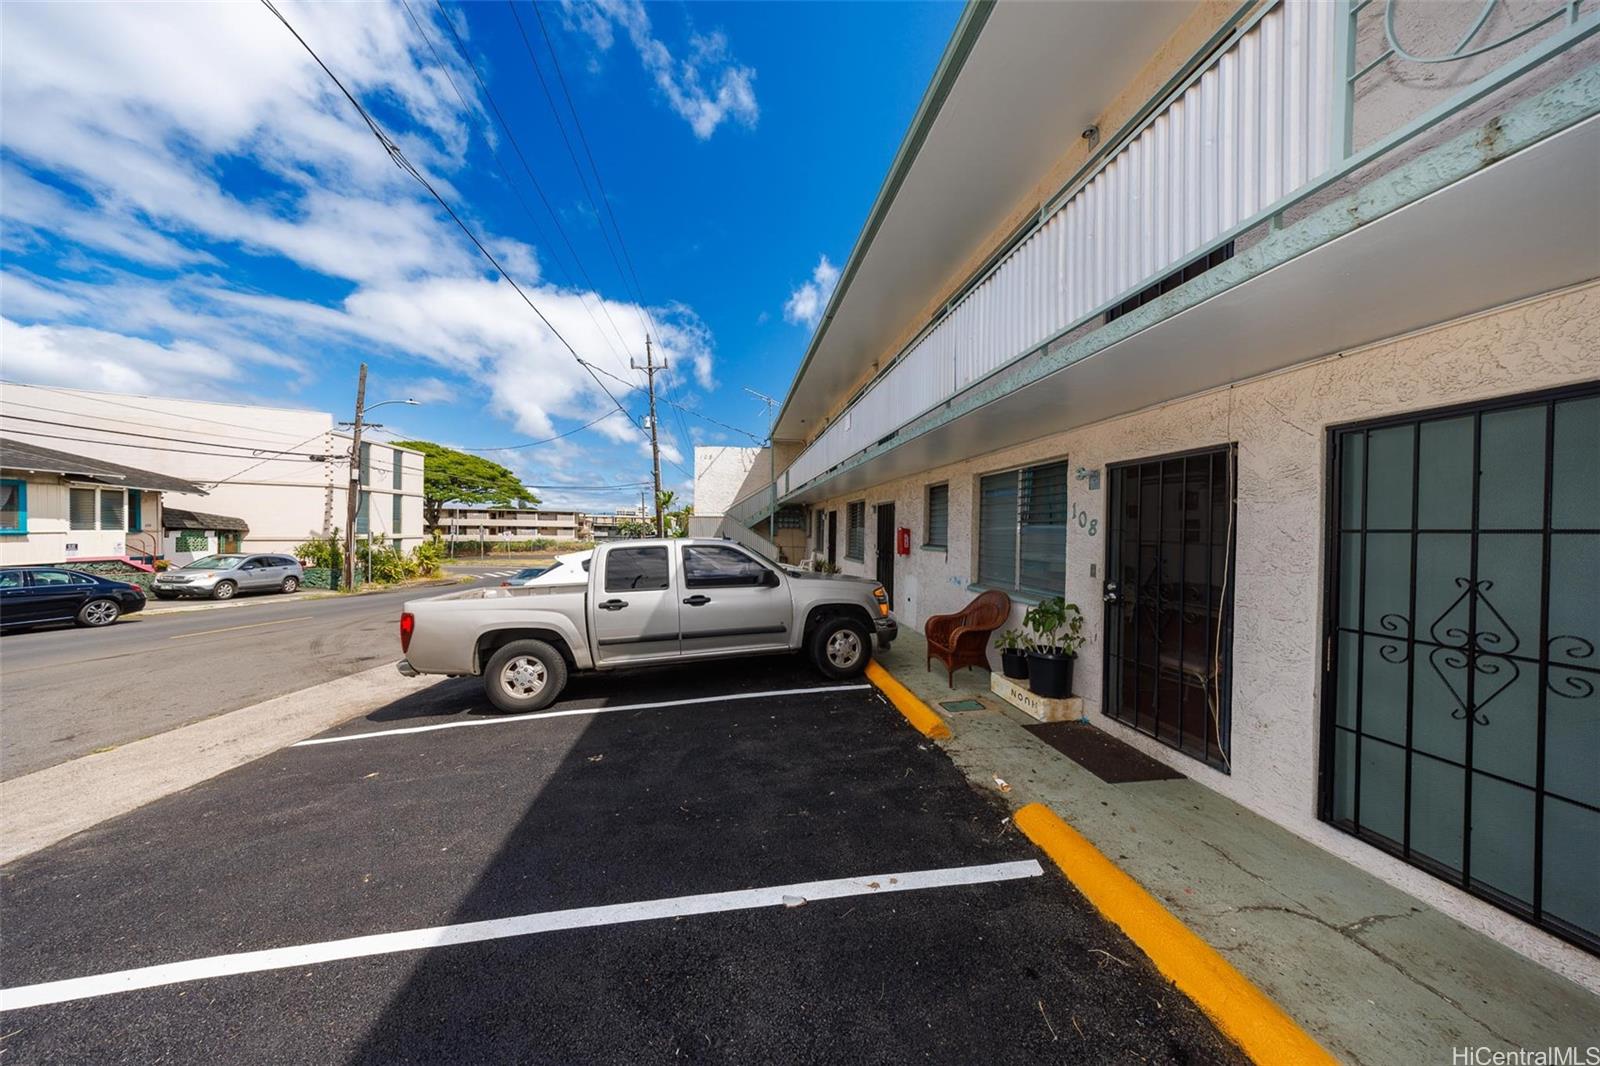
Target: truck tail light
x,y
408,622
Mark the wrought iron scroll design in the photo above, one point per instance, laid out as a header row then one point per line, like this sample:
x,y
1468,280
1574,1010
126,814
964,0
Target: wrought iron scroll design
x,y
1486,648
1464,49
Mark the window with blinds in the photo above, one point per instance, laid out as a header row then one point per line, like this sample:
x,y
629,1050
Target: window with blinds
x,y
855,544
81,509
113,510
1022,529
938,535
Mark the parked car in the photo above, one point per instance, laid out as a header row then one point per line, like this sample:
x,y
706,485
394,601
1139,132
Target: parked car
x,y
221,577
644,602
35,595
571,569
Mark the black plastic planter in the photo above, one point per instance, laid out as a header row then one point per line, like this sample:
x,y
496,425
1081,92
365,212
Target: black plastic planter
x,y
1014,664
1050,674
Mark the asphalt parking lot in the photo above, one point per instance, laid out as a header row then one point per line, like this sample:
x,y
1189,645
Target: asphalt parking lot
x,y
578,887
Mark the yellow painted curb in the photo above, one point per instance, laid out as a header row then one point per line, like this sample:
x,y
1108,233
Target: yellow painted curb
x,y
922,717
1240,1009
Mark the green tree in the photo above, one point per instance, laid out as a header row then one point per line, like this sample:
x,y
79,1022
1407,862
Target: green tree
x,y
451,476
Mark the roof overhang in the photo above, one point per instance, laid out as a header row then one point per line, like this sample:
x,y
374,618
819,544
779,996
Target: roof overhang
x,y
1018,84
1524,226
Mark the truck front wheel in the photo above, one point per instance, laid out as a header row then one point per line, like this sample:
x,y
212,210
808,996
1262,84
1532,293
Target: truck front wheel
x,y
525,675
841,648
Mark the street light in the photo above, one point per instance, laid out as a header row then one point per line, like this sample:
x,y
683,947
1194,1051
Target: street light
x,y
353,492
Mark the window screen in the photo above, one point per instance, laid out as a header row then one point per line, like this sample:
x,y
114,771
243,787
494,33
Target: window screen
x,y
81,509
398,458
394,524
636,569
938,516
111,509
366,464
855,545
1022,529
362,507
712,566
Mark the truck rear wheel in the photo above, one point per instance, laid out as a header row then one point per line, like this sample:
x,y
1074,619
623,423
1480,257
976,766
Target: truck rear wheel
x,y
841,648
525,675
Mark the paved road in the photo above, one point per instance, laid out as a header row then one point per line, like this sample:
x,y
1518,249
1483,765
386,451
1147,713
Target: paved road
x,y
640,810
68,692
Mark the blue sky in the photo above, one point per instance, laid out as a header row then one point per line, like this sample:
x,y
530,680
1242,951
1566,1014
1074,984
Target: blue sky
x,y
190,208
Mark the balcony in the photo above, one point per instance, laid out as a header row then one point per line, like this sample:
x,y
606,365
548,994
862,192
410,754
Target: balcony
x,y
1289,139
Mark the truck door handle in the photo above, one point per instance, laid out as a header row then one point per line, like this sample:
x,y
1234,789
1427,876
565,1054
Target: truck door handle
x,y
613,605
697,600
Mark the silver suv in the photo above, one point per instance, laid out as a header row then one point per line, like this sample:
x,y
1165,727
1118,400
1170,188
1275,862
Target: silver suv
x,y
220,577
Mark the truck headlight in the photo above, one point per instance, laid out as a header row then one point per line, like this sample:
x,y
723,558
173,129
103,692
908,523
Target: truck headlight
x,y
882,597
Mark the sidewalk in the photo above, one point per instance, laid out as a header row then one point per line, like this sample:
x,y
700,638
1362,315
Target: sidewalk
x,y
1372,973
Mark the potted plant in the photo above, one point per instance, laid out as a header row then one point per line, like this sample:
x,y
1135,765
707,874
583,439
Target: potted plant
x,y
1013,654
1057,630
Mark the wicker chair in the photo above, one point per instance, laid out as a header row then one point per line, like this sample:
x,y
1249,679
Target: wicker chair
x,y
962,639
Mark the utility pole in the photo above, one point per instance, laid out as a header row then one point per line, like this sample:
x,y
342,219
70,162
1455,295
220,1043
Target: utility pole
x,y
650,369
353,493
772,465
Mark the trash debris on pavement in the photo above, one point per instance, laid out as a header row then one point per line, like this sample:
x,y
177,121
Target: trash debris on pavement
x,y
794,901
1000,783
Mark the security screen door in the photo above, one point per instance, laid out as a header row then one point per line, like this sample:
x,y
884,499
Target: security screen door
x,y
1461,721
1169,599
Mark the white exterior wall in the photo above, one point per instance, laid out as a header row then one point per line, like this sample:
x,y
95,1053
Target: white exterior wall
x,y
723,474
284,499
1279,423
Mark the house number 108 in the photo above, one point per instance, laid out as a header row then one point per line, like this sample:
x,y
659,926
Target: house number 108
x,y
1080,516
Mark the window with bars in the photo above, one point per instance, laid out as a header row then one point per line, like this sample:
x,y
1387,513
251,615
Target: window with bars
x,y
938,535
855,539
1022,529
1461,688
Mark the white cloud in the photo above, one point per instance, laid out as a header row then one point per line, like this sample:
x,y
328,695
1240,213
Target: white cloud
x,y
706,89
144,155
806,303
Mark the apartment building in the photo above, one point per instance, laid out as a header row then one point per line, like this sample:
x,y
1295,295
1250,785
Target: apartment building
x,y
461,522
271,477
605,525
1269,334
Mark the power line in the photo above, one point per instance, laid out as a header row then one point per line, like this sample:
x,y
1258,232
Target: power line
x,y
125,433
577,260
150,447
405,165
122,404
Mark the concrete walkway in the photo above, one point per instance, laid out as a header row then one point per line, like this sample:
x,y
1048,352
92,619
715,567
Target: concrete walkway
x,y
1372,973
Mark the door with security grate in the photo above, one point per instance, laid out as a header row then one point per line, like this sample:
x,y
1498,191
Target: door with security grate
x,y
1169,599
1461,721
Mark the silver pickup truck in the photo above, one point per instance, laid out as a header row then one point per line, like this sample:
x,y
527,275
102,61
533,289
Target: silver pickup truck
x,y
644,602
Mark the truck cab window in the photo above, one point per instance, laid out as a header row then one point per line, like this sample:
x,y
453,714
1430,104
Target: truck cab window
x,y
636,569
709,566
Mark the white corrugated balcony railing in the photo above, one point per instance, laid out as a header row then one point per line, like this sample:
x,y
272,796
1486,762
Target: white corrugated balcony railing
x,y
1267,120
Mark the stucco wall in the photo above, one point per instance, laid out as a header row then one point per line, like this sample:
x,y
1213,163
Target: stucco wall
x,y
723,474
50,537
1279,424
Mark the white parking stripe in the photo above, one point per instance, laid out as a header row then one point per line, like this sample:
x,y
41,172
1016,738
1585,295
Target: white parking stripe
x,y
499,928
580,710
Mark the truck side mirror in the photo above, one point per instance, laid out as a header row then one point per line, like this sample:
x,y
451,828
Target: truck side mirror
x,y
770,579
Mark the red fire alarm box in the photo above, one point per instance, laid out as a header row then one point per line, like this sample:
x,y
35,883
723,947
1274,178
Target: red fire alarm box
x,y
902,541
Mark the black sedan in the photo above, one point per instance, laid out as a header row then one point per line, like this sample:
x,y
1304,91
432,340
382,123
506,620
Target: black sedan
x,y
36,595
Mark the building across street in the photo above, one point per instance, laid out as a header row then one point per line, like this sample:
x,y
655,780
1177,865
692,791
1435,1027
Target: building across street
x,y
1271,343
256,478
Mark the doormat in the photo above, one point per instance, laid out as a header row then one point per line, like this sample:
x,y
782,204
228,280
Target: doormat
x,y
1102,754
962,705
